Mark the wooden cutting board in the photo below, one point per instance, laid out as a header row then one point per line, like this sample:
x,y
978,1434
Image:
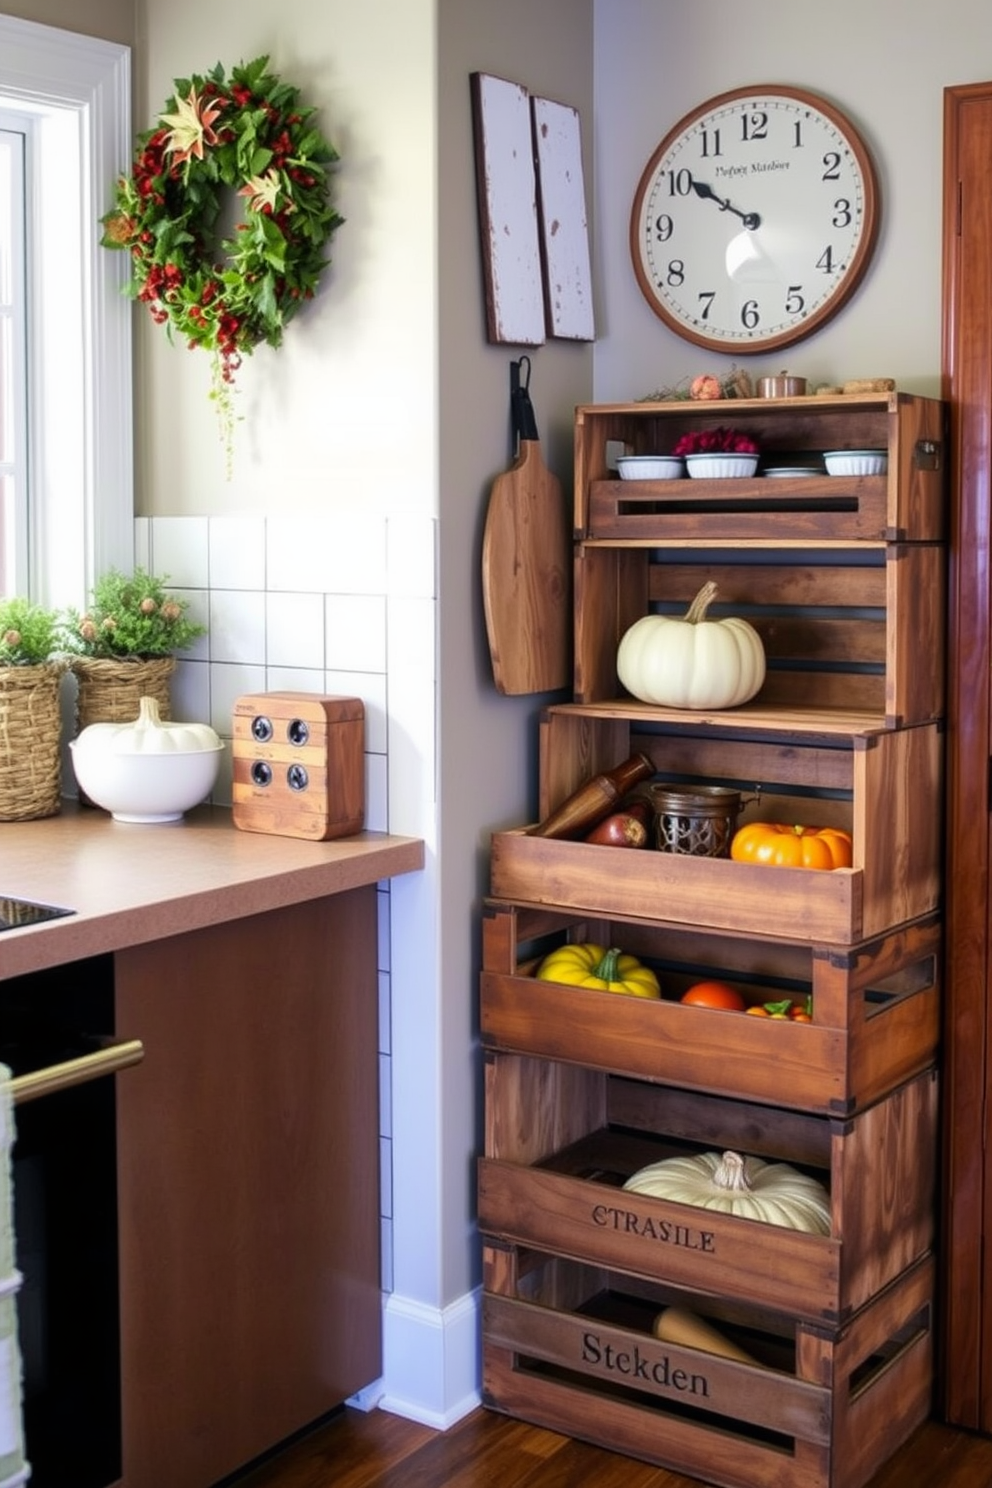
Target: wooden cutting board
x,y
527,564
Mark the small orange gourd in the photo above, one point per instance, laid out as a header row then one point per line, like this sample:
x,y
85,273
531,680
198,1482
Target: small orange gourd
x,y
781,845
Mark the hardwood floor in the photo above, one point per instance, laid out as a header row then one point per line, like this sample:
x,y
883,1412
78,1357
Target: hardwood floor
x,y
486,1450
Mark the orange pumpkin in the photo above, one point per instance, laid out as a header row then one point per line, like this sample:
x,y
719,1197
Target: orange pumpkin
x,y
779,845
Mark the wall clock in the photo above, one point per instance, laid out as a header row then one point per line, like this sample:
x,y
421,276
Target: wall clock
x,y
755,219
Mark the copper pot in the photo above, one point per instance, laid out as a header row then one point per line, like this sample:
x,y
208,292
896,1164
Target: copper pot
x,y
781,387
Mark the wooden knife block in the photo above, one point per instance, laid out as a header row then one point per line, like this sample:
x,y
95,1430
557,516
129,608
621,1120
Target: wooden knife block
x,y
299,765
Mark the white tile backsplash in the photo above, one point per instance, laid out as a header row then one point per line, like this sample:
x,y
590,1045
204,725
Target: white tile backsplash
x,y
376,795
294,555
191,692
180,549
197,602
227,684
385,1098
237,626
385,1042
294,630
302,607
356,632
237,552
357,556
294,679
371,688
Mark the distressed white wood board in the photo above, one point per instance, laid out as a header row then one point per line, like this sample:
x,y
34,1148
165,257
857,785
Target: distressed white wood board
x,y
563,221
507,192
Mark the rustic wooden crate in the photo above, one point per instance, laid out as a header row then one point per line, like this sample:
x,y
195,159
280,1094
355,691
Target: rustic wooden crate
x,y
907,504
561,1140
875,1008
885,786
844,631
570,1348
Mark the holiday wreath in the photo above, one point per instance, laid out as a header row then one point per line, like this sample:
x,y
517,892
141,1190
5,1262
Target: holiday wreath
x,y
246,132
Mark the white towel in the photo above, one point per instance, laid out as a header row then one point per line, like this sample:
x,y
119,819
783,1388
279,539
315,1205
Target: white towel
x,y
13,1468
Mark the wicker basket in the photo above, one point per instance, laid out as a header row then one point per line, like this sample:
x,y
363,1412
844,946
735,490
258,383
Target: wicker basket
x,y
110,689
30,741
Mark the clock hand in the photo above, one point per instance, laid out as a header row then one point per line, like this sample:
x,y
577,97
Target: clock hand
x,y
751,220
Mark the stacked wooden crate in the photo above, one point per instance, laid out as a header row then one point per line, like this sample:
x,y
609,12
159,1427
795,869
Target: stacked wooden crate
x,y
845,581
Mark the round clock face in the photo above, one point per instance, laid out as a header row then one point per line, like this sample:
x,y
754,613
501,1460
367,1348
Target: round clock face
x,y
755,219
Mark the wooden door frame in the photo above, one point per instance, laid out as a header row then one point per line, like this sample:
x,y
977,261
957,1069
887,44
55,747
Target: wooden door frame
x,y
966,372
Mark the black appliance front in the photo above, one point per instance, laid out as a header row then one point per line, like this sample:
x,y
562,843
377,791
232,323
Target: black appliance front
x,y
64,1169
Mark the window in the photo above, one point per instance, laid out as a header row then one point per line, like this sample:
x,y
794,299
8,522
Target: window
x,y
13,361
66,406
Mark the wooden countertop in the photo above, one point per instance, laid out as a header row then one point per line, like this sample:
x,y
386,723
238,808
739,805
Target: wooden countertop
x,y
129,883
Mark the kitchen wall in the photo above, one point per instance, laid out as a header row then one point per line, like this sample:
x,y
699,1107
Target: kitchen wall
x,y
112,20
885,64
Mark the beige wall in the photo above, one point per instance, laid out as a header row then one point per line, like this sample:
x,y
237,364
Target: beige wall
x,y
886,64
344,412
487,747
111,20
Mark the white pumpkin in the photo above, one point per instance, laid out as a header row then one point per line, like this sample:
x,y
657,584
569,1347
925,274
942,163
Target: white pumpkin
x,y
691,662
775,1193
149,734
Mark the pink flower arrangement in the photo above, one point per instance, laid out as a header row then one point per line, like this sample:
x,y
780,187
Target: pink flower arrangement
x,y
716,441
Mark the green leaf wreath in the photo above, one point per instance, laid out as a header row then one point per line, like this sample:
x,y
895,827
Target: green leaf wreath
x,y
246,132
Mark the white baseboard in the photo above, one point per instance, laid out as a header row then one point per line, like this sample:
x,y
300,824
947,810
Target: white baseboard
x,y
431,1359
365,1400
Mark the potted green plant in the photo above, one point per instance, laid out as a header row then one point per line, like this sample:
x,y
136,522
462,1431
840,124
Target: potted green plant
x,y
123,646
30,714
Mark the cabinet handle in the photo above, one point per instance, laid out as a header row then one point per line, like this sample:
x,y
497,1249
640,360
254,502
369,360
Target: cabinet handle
x,y
70,1072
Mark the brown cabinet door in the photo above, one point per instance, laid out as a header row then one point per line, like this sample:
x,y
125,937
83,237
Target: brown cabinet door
x,y
249,1197
967,372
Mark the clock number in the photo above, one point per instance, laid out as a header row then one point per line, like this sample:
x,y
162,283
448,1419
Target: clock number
x,y
842,212
754,126
663,227
679,182
675,274
749,315
706,299
826,260
797,142
795,304
711,143
831,166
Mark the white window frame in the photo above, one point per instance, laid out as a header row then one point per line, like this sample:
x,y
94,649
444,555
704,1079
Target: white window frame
x,y
45,67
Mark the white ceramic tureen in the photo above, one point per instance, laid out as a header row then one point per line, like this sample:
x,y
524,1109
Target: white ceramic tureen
x,y
148,770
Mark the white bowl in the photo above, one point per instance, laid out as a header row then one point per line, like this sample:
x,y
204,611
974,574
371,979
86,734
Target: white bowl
x,y
856,462
718,465
147,787
650,467
792,472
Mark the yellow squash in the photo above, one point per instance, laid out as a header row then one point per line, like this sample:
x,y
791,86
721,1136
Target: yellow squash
x,y
605,970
